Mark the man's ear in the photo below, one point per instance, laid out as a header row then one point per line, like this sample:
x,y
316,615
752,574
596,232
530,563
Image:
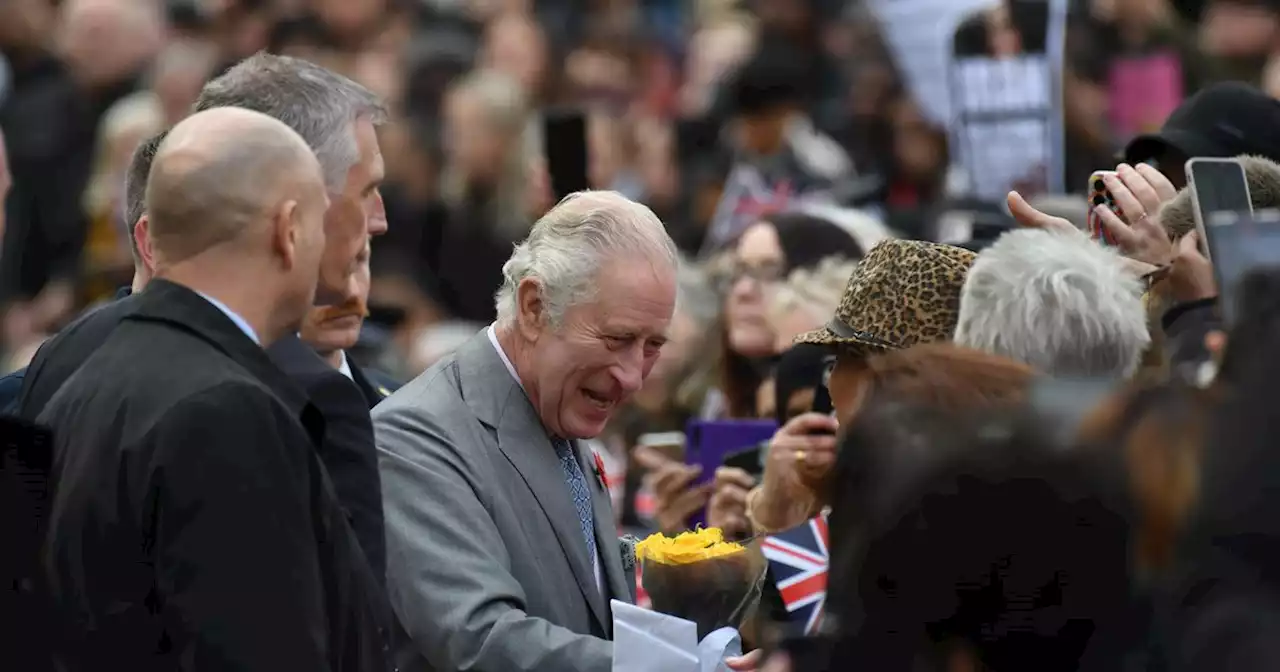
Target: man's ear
x,y
142,238
531,313
285,233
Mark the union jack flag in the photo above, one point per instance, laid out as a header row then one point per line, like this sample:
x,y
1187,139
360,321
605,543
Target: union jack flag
x,y
798,559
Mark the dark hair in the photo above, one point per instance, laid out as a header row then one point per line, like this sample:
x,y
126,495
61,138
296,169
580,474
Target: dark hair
x,y
774,77
976,531
799,368
806,240
135,186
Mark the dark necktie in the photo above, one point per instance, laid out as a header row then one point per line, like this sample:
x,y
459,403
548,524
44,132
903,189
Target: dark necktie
x,y
577,482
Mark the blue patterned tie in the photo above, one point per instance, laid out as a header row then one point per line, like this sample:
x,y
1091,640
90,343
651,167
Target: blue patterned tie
x,y
581,494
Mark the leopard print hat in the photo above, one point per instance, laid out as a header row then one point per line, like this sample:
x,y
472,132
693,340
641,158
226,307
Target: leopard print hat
x,y
904,292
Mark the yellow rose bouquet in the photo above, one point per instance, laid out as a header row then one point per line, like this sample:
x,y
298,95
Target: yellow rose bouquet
x,y
700,577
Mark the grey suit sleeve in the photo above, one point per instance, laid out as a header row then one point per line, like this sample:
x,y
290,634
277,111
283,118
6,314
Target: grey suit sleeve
x,y
448,572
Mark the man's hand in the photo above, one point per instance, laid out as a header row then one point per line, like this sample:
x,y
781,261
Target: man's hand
x,y
728,507
669,480
1139,192
1191,275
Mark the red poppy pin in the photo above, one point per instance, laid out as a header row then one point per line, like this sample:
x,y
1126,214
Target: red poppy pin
x,y
601,474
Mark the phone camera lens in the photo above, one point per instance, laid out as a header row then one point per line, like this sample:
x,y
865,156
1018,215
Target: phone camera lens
x,y
1099,200
1098,185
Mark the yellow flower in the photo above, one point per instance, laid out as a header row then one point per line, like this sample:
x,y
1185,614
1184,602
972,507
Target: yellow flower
x,y
686,547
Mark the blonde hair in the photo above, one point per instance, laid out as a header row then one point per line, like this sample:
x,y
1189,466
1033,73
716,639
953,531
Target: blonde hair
x,y
819,289
507,109
139,113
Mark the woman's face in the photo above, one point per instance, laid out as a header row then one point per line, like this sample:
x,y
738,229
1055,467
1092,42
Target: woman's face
x,y
917,146
848,385
758,267
473,144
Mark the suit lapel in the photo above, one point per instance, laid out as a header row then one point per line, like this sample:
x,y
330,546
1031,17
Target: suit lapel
x,y
499,402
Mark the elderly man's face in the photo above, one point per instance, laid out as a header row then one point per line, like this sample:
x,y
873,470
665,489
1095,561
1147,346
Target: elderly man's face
x,y
605,348
328,329
355,214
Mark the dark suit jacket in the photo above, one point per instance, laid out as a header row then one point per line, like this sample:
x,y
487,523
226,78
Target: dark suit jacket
x,y
192,524
61,355
374,384
347,450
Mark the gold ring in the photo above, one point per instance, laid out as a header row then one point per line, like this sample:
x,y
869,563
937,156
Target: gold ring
x,y
800,455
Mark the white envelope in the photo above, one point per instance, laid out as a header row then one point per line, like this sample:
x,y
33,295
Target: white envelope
x,y
649,641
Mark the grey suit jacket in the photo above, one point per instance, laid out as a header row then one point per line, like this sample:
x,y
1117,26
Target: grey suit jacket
x,y
486,566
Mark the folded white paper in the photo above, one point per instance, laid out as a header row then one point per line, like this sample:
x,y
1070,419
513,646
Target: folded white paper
x,y
649,641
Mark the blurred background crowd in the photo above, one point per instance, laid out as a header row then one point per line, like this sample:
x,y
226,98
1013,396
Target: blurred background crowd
x,y
780,141
675,93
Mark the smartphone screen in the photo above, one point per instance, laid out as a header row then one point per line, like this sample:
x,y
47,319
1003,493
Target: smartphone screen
x,y
565,140
1217,185
1241,243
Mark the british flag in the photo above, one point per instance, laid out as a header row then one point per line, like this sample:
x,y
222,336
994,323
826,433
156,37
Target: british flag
x,y
798,559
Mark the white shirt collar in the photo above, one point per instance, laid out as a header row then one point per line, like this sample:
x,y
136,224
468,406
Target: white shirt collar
x,y
493,338
343,367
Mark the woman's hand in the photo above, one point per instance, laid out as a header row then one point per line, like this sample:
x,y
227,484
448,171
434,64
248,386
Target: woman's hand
x,y
1139,192
728,507
801,455
669,480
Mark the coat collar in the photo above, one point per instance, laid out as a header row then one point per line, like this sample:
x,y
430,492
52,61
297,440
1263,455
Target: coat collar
x,y
180,307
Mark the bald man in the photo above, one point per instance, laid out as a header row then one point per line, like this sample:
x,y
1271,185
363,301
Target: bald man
x,y
192,526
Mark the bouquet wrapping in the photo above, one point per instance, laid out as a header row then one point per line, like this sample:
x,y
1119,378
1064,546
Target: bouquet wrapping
x,y
700,577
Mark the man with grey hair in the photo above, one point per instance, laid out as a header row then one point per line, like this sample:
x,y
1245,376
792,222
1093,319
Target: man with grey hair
x,y
1057,301
502,551
335,117
192,525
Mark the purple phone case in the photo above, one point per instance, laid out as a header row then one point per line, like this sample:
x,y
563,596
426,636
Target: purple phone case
x,y
709,442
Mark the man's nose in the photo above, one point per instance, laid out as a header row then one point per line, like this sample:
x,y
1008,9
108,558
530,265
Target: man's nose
x,y
629,371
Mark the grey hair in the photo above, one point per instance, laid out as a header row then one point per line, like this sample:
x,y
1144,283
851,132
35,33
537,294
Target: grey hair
x,y
567,246
1056,301
318,104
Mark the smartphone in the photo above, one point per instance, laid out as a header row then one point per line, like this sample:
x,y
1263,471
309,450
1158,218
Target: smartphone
x,y
670,444
750,460
1099,194
564,136
1217,185
1239,243
711,441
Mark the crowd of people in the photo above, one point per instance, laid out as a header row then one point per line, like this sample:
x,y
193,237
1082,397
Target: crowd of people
x,y
313,364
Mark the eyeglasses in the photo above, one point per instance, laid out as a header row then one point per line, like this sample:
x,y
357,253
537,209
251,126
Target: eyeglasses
x,y
765,274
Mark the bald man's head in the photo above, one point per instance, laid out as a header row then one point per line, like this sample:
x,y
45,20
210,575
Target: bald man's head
x,y
217,173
